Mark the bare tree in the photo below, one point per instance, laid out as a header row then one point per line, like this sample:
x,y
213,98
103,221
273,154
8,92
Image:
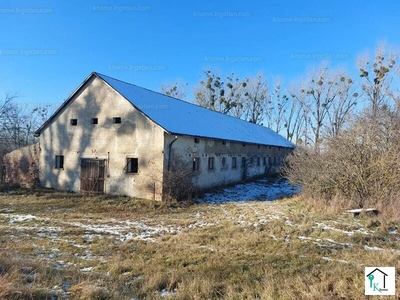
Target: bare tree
x,y
176,90
342,108
326,102
359,165
378,76
294,119
18,122
245,99
255,97
215,94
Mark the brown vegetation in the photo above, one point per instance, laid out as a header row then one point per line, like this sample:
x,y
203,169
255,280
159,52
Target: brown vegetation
x,y
57,244
178,183
358,168
22,165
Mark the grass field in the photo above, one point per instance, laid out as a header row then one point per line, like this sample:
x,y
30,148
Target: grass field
x,y
57,245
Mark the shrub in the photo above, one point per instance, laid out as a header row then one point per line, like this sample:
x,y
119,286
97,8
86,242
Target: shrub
x,y
178,184
360,165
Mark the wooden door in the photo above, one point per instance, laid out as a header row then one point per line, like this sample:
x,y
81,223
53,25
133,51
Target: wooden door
x,y
92,176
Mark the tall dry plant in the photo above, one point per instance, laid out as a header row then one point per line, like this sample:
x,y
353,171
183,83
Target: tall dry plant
x,y
360,165
178,183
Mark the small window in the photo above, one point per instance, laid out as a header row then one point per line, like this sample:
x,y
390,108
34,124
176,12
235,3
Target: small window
x,y
269,161
196,140
223,142
196,163
258,146
132,165
223,161
264,161
95,121
274,160
59,162
211,163
234,163
258,160
243,162
243,144
117,120
73,122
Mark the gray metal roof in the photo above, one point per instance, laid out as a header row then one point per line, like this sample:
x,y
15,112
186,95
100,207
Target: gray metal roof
x,y
183,118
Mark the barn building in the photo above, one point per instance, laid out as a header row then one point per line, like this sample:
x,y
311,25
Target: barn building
x,y
113,137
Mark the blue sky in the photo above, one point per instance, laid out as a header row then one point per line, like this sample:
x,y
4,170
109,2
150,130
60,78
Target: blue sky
x,y
47,48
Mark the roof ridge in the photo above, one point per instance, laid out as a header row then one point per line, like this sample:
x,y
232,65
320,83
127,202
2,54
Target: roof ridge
x,y
183,117
181,100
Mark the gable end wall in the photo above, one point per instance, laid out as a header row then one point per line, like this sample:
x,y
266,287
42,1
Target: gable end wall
x,y
135,137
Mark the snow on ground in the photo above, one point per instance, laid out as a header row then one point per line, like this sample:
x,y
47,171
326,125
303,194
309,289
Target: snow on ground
x,y
338,260
21,218
259,190
233,204
148,230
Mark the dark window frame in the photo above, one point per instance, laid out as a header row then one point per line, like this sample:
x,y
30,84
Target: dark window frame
x,y
211,163
73,122
59,162
223,161
196,140
234,162
132,168
94,121
196,163
117,120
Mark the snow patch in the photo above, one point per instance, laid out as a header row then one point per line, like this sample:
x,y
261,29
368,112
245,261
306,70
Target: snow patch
x,y
88,269
326,227
338,260
372,248
21,218
260,190
165,293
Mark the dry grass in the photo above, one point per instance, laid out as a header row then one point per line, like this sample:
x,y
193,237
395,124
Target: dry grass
x,y
56,245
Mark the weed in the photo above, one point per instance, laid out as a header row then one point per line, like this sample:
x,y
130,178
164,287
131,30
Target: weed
x,y
56,244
